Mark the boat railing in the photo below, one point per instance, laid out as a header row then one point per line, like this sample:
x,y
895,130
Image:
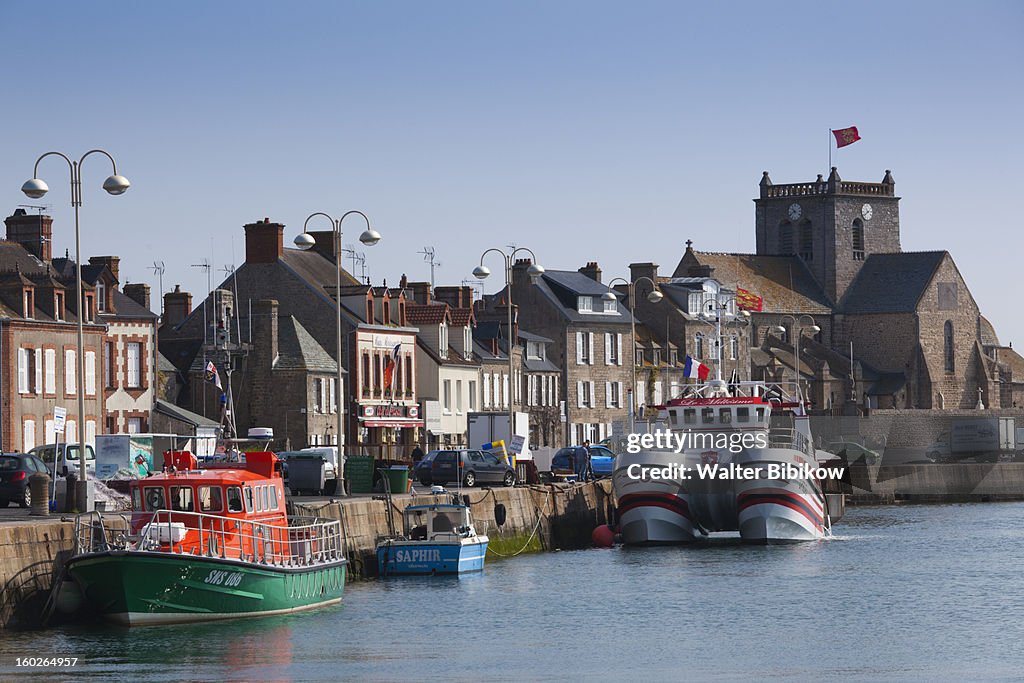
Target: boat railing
x,y
306,541
94,532
785,437
784,391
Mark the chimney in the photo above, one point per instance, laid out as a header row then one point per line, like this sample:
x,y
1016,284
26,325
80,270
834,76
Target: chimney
x,y
139,293
592,270
177,306
420,292
264,329
34,232
323,243
112,262
456,297
264,242
639,270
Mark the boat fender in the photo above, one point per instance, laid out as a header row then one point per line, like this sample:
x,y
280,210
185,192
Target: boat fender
x,y
499,514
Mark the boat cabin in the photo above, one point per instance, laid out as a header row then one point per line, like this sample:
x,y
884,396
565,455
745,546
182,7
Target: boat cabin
x,y
717,414
430,522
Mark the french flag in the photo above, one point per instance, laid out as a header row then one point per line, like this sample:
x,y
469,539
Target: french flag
x,y
696,370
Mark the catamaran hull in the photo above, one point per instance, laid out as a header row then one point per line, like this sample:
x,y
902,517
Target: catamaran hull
x,y
651,512
137,588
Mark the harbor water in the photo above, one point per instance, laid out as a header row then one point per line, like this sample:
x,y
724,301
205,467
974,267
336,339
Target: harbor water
x,y
900,593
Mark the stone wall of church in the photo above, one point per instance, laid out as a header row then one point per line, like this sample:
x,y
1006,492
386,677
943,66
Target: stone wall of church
x,y
885,341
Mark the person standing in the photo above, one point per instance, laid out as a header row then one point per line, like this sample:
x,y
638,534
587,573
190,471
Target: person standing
x,y
417,455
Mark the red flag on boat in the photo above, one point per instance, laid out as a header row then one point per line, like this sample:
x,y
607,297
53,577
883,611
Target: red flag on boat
x,y
846,136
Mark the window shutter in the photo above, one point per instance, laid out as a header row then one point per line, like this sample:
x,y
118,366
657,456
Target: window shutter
x,y
590,340
622,397
607,348
579,394
608,394
39,374
579,348
618,343
23,372
487,390
593,398
51,370
90,373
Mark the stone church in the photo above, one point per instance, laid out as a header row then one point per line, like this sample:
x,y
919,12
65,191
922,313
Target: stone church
x,y
895,329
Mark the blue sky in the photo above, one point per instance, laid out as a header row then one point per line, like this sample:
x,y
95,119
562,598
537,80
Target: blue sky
x,y
587,131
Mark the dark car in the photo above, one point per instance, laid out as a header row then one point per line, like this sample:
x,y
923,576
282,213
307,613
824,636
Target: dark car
x,y
421,471
470,467
15,470
602,461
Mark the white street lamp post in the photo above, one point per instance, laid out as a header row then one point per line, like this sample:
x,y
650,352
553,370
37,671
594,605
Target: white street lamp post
x,y
305,241
535,270
654,297
35,188
798,328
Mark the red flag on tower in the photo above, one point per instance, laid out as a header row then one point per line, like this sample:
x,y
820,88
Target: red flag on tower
x,y
846,136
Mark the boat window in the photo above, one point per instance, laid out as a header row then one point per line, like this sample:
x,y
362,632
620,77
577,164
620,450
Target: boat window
x,y
265,497
181,499
674,415
209,499
707,415
743,414
760,414
256,493
690,416
154,498
248,499
445,522
234,499
273,497
136,498
725,415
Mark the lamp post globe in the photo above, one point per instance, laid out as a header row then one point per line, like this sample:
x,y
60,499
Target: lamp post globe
x,y
116,184
608,296
369,237
304,241
814,329
35,188
655,296
481,272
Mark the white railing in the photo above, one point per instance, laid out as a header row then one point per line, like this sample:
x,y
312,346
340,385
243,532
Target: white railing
x,y
782,437
307,541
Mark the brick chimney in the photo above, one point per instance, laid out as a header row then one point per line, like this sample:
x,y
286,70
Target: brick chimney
x,y
456,297
592,270
420,292
324,243
112,262
34,232
139,293
264,331
177,306
264,241
639,270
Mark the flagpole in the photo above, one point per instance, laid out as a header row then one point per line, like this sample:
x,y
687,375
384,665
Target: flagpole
x,y
829,149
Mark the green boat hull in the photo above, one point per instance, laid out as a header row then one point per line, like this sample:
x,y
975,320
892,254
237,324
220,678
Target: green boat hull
x,y
135,588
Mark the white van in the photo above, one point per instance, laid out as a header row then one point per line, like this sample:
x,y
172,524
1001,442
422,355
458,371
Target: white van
x,y
66,457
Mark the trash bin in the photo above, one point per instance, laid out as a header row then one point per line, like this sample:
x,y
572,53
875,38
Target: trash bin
x,y
359,473
307,474
398,478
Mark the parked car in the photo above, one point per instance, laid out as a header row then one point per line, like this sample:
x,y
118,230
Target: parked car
x,y
65,455
852,452
15,470
602,461
421,472
470,467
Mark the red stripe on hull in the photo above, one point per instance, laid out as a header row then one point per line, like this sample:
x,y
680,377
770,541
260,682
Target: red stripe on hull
x,y
789,500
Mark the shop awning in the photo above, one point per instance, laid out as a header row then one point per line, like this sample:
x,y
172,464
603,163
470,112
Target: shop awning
x,y
391,423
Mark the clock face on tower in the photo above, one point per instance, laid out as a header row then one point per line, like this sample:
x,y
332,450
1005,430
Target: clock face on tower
x,y
795,212
866,212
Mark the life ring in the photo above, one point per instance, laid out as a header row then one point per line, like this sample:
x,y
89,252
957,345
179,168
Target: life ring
x,y
154,499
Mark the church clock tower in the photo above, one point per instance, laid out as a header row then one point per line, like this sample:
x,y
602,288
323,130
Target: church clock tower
x,y
831,225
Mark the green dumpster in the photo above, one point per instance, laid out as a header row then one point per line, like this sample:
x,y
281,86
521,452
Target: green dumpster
x,y
359,473
398,478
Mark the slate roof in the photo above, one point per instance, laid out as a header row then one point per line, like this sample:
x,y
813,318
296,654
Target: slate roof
x,y
127,307
562,287
183,415
534,365
530,336
297,350
892,283
783,282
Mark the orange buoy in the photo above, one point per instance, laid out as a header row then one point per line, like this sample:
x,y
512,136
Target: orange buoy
x,y
603,536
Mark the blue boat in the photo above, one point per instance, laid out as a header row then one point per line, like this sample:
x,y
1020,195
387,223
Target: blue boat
x,y
438,539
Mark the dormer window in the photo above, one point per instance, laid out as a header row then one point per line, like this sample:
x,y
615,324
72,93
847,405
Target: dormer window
x,y
533,351
29,303
657,357
673,358
442,340
610,306
369,311
585,304
401,313
58,305
101,297
387,313
639,357
89,306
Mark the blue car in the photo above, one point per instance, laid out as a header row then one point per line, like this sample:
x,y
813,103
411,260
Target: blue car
x,y
602,462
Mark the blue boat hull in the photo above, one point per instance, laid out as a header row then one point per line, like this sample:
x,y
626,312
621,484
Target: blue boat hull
x,y
400,558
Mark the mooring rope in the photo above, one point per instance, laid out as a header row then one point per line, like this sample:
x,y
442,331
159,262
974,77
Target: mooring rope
x,y
540,518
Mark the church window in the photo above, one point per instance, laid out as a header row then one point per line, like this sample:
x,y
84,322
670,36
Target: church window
x,y
806,241
858,240
786,238
949,347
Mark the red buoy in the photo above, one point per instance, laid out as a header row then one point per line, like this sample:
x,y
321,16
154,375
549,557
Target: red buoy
x,y
603,536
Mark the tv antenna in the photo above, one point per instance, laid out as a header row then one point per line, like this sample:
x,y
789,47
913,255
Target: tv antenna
x,y
158,270
41,208
475,285
357,257
430,257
